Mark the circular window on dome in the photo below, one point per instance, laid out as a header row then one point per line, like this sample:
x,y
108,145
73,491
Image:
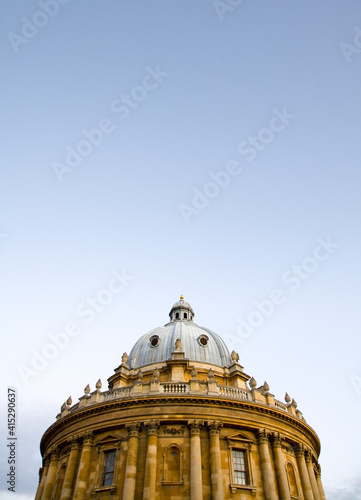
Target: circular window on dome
x,y
154,341
203,340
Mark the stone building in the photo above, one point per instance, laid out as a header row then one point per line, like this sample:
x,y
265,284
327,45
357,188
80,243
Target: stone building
x,y
180,420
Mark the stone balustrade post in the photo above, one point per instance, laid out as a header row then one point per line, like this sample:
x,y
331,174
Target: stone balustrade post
x,y
66,491
266,467
281,473
215,460
305,479
150,474
196,489
131,464
51,475
84,466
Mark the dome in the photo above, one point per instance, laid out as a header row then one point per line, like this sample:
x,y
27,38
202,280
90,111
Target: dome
x,y
198,343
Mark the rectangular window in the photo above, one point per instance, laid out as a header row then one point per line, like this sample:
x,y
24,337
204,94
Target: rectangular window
x,y
239,466
109,465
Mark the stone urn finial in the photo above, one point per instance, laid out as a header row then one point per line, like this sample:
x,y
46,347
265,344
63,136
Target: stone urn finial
x,y
210,374
87,389
178,344
265,387
287,398
293,403
63,407
156,374
193,373
98,385
140,375
69,401
234,356
252,383
125,358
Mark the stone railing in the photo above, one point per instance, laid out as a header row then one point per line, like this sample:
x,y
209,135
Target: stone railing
x,y
175,388
210,389
233,392
280,405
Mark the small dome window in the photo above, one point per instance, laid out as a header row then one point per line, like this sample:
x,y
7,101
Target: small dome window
x,y
185,315
203,340
154,341
176,315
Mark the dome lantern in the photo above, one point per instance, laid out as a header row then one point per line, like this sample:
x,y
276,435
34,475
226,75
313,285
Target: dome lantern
x,y
181,311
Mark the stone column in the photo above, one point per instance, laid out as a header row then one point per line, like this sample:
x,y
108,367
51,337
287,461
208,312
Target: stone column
x,y
51,475
150,474
305,479
319,483
311,474
42,473
266,467
131,465
70,470
196,489
281,474
84,466
215,459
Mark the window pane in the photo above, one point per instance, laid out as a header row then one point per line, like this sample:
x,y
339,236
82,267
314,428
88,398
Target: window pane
x,y
109,464
239,466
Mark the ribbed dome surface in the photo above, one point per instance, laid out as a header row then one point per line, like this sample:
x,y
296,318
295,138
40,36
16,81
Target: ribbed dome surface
x,y
214,352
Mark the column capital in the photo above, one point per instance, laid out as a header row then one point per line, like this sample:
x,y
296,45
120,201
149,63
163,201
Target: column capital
x,y
318,470
53,453
133,429
300,450
262,436
195,427
152,427
46,460
73,441
87,438
214,427
308,456
277,440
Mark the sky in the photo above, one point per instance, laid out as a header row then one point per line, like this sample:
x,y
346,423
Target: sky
x,y
209,148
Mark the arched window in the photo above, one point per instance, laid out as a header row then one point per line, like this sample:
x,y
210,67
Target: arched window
x,y
185,316
59,482
176,315
172,465
292,480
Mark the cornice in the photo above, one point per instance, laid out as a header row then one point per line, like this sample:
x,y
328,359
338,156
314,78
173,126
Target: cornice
x,y
185,400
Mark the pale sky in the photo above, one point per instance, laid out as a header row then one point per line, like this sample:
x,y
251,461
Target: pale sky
x,y
182,147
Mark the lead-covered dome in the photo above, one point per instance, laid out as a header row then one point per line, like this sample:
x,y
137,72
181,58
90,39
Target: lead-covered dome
x,y
198,343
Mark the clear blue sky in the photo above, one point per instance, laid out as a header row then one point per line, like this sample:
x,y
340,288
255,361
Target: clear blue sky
x,y
169,92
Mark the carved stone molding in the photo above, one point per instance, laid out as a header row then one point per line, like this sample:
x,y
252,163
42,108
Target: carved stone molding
x,y
172,430
133,429
195,427
277,440
299,450
152,427
87,437
214,427
262,436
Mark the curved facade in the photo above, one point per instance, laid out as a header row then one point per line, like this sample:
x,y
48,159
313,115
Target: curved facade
x,y
180,420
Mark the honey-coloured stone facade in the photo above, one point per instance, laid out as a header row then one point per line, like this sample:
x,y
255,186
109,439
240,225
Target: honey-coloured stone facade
x,y
180,428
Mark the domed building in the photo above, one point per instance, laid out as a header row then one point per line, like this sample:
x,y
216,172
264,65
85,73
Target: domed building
x,y
180,420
